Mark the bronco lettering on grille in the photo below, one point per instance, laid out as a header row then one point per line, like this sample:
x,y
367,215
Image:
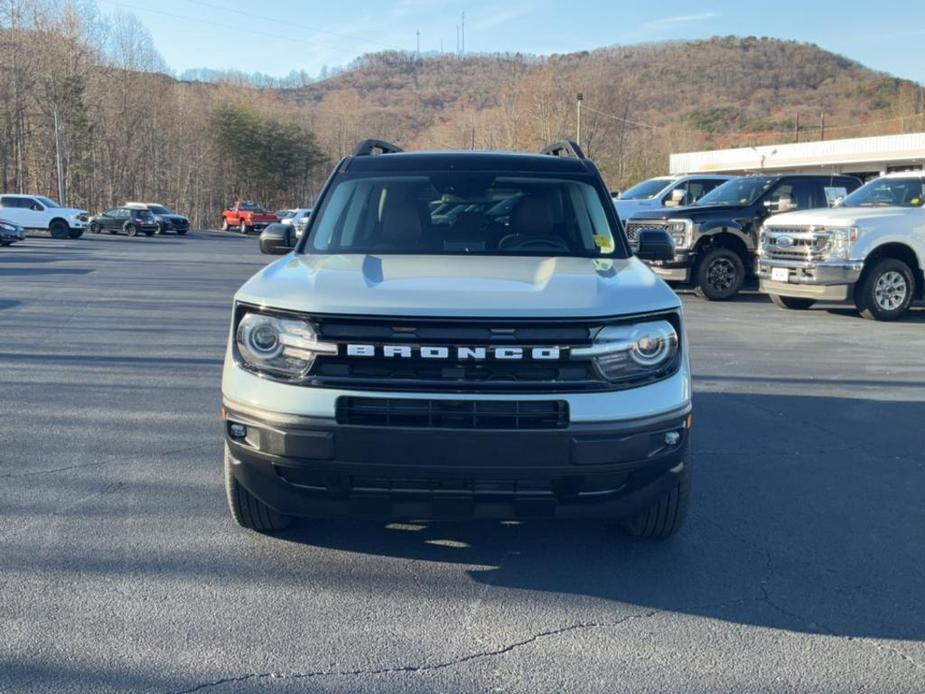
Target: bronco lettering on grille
x,y
457,353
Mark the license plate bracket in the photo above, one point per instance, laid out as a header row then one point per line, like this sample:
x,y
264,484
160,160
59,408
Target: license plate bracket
x,y
780,274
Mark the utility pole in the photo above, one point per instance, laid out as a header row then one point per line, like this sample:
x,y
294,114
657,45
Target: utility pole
x,y
797,132
457,39
579,99
822,127
62,198
463,33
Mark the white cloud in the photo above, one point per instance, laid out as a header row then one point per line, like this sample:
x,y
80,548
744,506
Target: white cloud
x,y
668,22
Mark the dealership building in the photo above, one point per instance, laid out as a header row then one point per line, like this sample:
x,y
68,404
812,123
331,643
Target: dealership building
x,y
866,157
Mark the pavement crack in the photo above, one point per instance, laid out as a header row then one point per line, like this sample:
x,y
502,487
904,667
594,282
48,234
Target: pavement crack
x,y
97,463
426,667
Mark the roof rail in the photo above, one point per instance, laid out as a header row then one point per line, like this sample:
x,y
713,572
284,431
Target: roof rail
x,y
565,148
369,147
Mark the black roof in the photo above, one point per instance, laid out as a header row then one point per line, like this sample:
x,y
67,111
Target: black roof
x,y
467,161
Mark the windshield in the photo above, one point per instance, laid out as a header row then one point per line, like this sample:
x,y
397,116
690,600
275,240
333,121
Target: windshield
x,y
888,192
738,191
463,214
48,202
646,190
159,209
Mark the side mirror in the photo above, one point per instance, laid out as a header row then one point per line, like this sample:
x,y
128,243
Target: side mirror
x,y
655,244
615,194
276,239
769,207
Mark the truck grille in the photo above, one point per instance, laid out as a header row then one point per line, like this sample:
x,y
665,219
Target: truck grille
x,y
633,229
796,243
470,375
453,414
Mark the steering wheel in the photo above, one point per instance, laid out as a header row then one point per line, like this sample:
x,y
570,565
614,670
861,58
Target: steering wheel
x,y
535,243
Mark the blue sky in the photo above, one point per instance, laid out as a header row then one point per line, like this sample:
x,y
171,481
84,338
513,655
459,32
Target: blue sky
x,y
276,36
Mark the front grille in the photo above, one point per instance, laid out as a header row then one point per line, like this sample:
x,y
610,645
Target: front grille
x,y
804,244
633,229
453,414
489,375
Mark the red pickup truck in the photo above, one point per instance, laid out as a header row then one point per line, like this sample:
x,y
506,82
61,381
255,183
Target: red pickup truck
x,y
247,216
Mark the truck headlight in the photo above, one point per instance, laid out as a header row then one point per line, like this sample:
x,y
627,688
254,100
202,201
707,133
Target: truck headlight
x,y
278,346
840,241
631,352
680,231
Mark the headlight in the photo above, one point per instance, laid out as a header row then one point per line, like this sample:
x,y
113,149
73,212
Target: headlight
x,y
680,232
631,352
81,217
840,242
278,346
7,227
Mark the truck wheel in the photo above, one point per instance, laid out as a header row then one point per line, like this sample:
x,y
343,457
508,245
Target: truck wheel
x,y
719,275
224,224
131,230
95,228
246,509
885,291
243,229
160,228
59,229
794,303
665,516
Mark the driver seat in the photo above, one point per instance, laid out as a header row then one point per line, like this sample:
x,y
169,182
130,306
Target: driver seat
x,y
531,218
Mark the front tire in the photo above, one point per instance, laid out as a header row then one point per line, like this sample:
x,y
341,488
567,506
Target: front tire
x,y
243,229
225,226
160,229
886,290
95,228
59,229
246,509
665,516
719,275
793,303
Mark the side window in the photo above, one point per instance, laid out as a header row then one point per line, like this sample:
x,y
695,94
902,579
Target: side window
x,y
7,201
802,194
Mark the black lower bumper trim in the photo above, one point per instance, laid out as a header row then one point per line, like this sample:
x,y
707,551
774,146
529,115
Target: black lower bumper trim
x,y
307,467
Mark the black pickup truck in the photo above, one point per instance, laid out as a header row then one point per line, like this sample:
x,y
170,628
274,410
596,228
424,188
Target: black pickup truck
x,y
716,239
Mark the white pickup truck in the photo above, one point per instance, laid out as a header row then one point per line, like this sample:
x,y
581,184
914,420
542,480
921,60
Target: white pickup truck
x,y
869,249
36,212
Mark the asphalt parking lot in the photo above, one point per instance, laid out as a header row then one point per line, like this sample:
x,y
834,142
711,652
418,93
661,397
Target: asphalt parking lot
x,y
802,566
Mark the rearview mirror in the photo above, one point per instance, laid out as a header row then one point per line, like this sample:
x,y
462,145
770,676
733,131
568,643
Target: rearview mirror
x,y
655,244
276,239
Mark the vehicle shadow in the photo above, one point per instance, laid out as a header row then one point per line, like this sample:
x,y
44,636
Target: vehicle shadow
x,y
806,515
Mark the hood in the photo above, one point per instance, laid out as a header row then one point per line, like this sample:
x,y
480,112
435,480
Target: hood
x,y
450,286
626,208
171,216
66,211
836,216
690,212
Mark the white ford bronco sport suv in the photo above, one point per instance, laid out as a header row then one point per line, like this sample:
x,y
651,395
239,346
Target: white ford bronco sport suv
x,y
869,249
459,335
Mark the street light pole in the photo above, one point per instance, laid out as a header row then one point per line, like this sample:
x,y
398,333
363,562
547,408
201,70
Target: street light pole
x,y
580,98
62,200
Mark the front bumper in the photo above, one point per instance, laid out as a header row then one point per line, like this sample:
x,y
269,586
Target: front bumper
x,y
810,280
17,234
305,466
678,269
